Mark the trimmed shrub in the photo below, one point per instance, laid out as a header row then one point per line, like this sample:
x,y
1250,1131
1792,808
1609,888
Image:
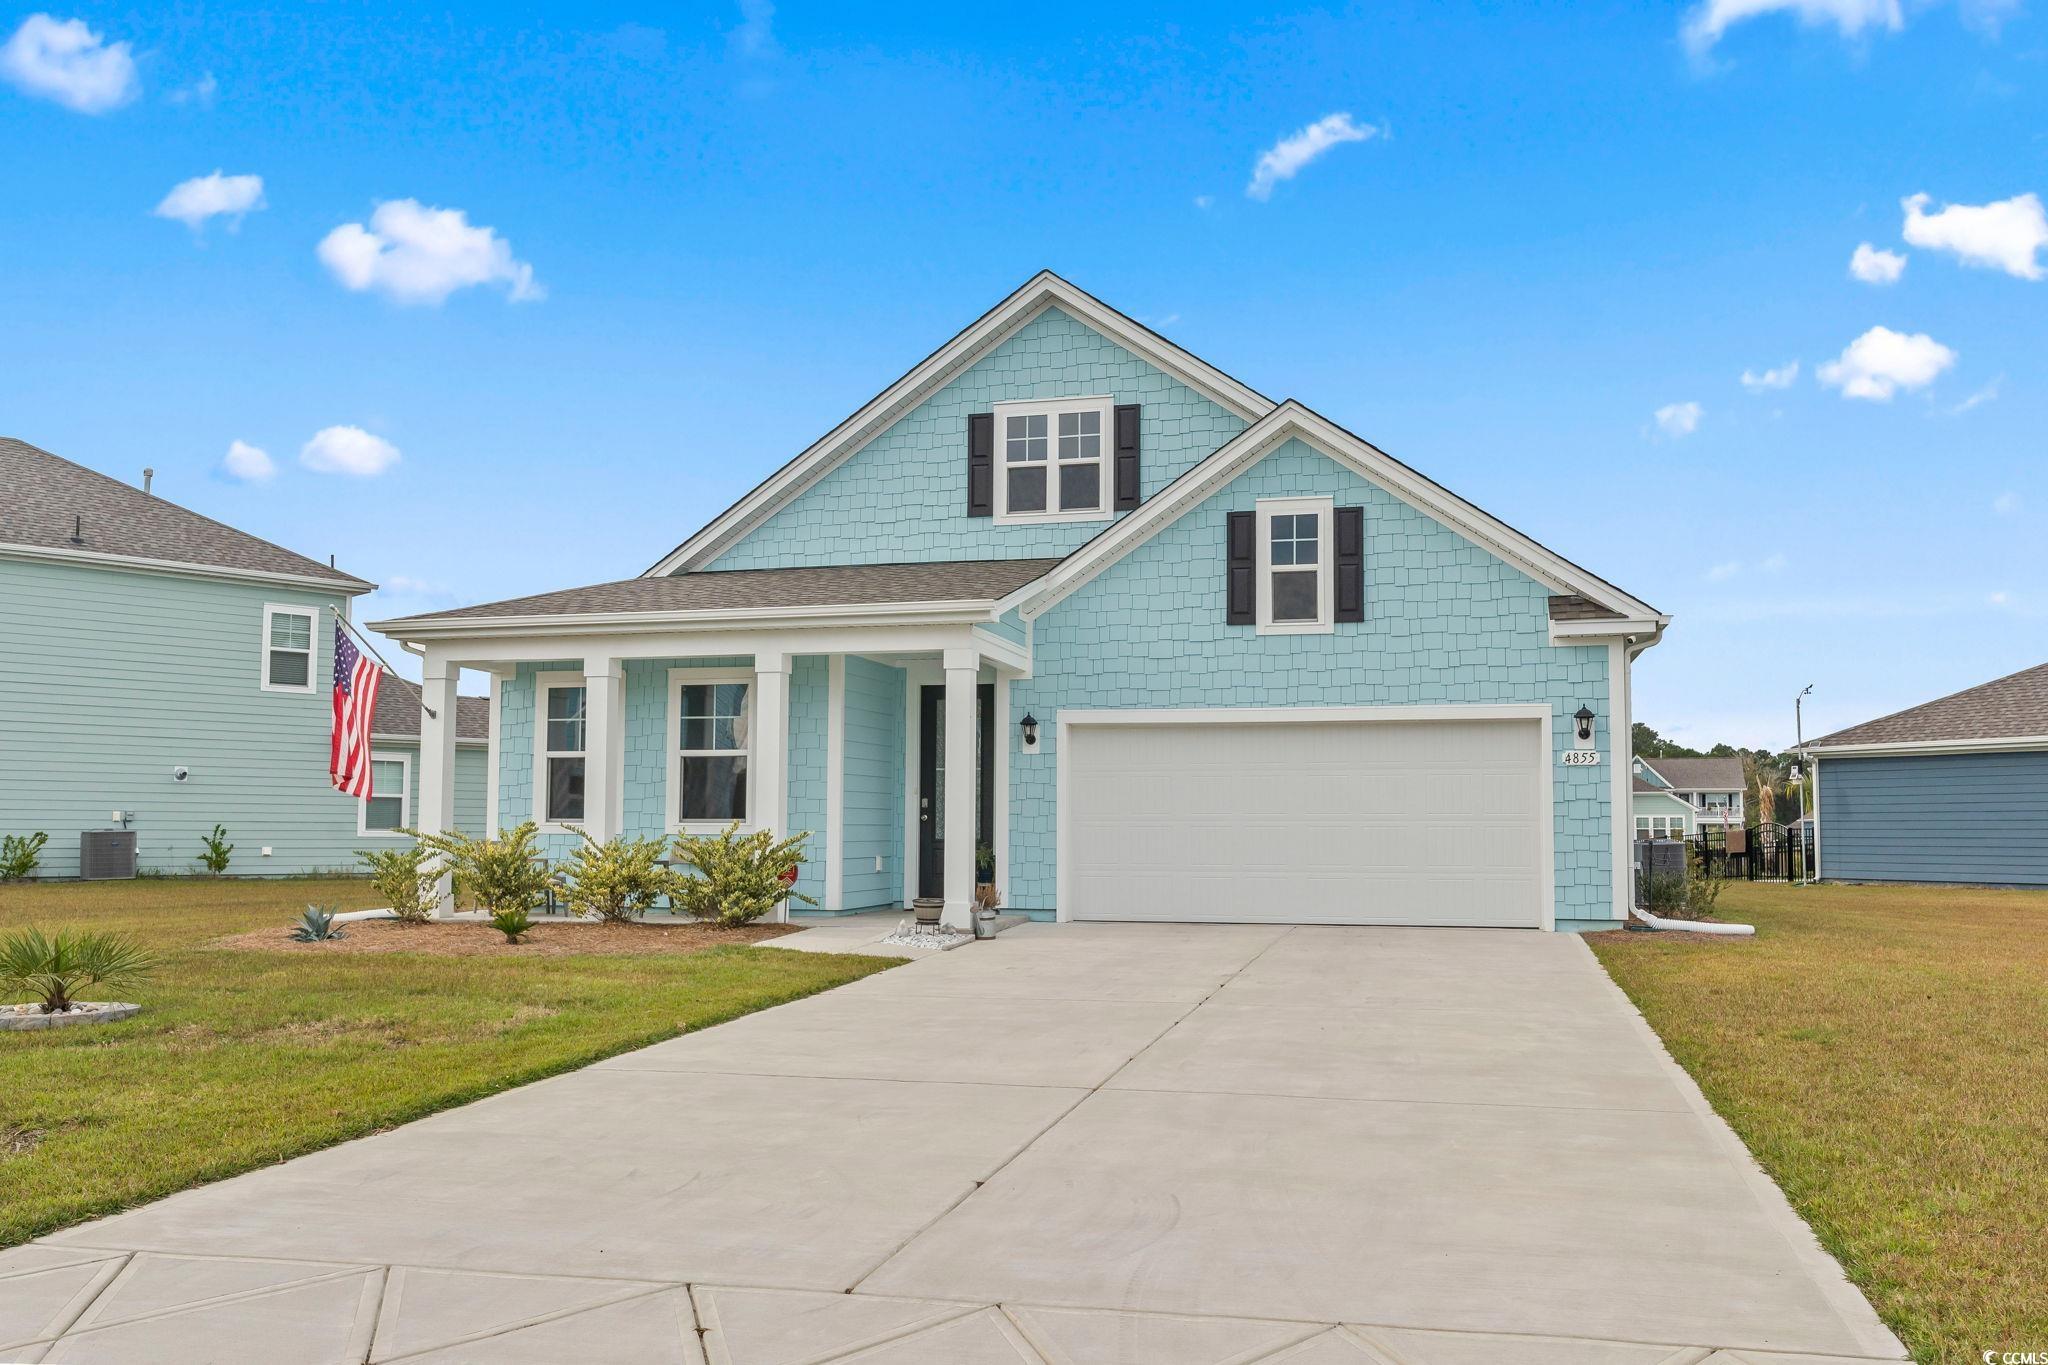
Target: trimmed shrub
x,y
403,877
739,877
617,880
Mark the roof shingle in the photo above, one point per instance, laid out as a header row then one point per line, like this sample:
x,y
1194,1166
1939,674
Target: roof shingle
x,y
1572,607
398,712
836,585
2012,707
1699,774
49,497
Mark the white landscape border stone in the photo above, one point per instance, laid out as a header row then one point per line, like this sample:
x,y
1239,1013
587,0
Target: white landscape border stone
x,y
21,1018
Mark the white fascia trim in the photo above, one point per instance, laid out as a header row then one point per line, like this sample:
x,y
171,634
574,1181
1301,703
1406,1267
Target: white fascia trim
x,y
2014,744
1291,419
98,559
1309,715
1042,291
958,611
1594,632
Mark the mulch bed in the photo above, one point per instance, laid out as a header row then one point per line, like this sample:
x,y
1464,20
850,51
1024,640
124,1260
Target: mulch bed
x,y
547,938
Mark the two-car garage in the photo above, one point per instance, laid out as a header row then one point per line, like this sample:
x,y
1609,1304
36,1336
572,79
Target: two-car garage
x,y
1395,815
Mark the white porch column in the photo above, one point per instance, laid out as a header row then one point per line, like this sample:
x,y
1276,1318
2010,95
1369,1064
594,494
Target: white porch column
x,y
768,750
604,749
494,754
963,679
437,761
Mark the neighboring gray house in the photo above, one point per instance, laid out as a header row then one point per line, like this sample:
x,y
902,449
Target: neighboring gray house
x,y
160,664
1953,790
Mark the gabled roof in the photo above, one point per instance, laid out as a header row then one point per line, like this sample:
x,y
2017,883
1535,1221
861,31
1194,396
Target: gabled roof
x,y
1043,290
965,582
48,500
398,713
1700,774
1598,602
2008,708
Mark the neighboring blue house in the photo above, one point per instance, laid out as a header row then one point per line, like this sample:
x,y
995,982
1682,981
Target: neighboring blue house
x,y
1952,790
1206,657
1676,798
161,665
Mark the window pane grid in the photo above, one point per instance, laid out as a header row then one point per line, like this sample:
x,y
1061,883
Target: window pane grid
x,y
711,774
564,738
1053,462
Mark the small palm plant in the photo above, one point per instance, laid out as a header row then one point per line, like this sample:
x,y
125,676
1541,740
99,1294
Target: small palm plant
x,y
317,925
56,969
513,923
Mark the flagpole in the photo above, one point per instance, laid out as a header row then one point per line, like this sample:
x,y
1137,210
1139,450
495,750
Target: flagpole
x,y
364,641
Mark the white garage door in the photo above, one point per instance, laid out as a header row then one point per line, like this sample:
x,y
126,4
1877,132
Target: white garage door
x,y
1354,822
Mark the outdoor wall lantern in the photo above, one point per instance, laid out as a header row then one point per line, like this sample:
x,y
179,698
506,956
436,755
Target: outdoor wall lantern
x,y
1029,727
1585,720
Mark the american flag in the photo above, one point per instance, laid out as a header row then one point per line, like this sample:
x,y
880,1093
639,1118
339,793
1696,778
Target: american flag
x,y
355,707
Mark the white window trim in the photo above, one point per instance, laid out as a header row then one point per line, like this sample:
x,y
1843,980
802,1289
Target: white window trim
x,y
271,609
541,683
1106,459
672,784
1326,578
363,830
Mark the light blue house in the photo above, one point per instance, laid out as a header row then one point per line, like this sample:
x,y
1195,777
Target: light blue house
x,y
164,673
1952,790
1069,606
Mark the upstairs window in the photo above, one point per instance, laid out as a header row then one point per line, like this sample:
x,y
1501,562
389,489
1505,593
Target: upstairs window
x,y
1052,460
288,649
1294,568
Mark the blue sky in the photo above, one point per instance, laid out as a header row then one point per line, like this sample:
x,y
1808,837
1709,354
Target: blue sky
x,y
694,238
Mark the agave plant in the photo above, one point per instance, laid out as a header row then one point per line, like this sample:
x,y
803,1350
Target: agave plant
x,y
317,925
56,969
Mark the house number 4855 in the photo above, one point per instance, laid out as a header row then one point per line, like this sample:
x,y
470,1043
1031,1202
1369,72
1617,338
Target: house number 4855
x,y
1581,758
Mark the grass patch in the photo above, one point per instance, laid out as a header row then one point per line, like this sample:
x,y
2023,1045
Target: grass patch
x,y
244,1058
1884,1053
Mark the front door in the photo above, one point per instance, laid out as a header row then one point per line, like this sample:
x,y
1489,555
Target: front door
x,y
931,783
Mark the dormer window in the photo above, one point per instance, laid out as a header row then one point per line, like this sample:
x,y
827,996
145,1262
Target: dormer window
x,y
1294,566
1053,460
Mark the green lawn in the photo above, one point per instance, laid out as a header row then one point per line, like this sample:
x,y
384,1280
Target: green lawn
x,y
1884,1053
240,1059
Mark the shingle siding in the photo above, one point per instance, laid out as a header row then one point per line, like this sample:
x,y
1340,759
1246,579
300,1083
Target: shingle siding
x,y
110,678
1445,622
1935,818
903,497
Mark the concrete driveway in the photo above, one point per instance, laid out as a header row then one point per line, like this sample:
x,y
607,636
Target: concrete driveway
x,y
1078,1144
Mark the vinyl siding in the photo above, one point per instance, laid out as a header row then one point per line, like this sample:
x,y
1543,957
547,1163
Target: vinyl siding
x,y
903,496
1446,621
1935,818
472,767
110,678
873,789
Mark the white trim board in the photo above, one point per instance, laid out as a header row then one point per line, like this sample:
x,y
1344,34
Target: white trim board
x,y
1042,291
1292,420
1538,713
1905,748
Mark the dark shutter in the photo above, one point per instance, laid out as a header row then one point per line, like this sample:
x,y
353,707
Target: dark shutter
x,y
1242,609
1127,494
981,464
1350,563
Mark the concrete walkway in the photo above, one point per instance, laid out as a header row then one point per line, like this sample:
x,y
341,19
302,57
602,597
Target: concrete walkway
x,y
1076,1144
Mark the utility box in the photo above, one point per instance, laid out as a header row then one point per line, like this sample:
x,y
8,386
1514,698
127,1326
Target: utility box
x,y
1657,858
106,855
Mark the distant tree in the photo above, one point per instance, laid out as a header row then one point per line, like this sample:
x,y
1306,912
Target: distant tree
x,y
1649,744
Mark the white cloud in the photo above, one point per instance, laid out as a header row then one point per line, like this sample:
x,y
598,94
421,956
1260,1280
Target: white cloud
x,y
1721,573
754,35
415,254
1285,159
2000,599
1757,381
2007,235
194,201
1203,201
63,60
1712,18
201,92
399,583
1873,266
2006,503
1980,397
1879,363
1773,563
1679,419
251,464
348,450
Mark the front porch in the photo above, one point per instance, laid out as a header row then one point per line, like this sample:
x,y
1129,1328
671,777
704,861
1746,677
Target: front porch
x,y
840,733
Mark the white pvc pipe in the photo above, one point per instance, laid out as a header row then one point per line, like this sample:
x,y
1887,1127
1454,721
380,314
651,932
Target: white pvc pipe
x,y
1693,926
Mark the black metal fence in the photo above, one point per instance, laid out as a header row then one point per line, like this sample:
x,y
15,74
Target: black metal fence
x,y
1764,852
